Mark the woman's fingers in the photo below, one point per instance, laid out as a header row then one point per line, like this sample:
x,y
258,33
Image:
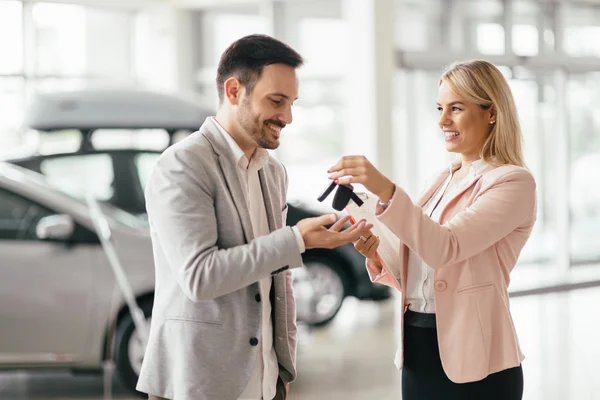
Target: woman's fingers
x,y
367,247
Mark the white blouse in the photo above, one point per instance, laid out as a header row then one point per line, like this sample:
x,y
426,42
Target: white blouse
x,y
419,281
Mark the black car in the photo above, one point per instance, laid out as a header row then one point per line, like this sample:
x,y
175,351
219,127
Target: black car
x,y
118,177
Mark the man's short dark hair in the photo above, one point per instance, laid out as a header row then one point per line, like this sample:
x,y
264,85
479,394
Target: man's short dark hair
x,y
246,58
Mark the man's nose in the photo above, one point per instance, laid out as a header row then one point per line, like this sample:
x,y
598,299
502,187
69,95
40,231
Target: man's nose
x,y
286,116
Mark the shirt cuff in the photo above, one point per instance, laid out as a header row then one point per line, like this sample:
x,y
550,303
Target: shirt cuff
x,y
299,239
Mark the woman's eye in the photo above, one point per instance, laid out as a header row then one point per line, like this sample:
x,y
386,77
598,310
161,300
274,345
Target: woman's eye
x,y
439,109
456,109
276,102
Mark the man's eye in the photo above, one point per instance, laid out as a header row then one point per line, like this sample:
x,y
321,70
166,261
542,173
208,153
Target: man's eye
x,y
276,102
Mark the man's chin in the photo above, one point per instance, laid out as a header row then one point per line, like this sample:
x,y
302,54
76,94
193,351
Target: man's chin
x,y
272,144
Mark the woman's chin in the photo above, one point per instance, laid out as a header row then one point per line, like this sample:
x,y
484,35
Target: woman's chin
x,y
452,148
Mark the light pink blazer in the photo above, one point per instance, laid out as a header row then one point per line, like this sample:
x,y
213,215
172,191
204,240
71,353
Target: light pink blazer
x,y
473,249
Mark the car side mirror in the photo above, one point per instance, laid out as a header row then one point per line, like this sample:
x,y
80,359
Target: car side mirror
x,y
55,227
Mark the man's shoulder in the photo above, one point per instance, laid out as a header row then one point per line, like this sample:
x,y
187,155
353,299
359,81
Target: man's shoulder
x,y
194,150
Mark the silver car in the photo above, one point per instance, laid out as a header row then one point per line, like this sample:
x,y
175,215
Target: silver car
x,y
60,305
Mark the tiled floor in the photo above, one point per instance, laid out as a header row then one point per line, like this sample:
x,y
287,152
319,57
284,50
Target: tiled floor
x,y
353,357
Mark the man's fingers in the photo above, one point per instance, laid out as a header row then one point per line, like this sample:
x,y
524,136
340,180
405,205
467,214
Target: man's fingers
x,y
326,219
340,224
356,231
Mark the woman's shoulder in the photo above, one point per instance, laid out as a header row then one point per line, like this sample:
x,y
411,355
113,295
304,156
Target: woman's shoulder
x,y
509,173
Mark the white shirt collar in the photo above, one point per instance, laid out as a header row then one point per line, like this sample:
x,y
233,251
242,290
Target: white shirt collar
x,y
477,167
258,159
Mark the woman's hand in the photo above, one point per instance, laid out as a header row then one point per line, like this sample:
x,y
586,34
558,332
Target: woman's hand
x,y
357,169
367,246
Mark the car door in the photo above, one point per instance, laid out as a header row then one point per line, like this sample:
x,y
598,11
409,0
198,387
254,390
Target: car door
x,y
45,287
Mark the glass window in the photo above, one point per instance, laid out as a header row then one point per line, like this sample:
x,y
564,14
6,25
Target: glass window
x,y
11,32
490,38
63,141
583,96
230,27
525,40
12,104
323,45
410,33
419,24
19,217
145,163
582,30
157,139
536,115
60,39
78,175
582,41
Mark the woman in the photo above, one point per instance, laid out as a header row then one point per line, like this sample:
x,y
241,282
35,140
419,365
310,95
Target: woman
x,y
460,242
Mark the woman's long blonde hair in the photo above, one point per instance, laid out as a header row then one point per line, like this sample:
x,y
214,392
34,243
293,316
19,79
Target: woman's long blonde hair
x,y
480,82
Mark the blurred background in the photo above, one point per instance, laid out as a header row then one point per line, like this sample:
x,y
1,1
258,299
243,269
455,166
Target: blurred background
x,y
91,91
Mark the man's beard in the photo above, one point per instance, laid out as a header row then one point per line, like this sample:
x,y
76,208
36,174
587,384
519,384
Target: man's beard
x,y
257,130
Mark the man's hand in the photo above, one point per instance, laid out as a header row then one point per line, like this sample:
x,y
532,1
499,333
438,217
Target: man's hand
x,y
316,235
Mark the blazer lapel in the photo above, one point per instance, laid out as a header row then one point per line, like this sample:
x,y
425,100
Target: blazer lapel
x,y
464,186
424,198
264,176
228,167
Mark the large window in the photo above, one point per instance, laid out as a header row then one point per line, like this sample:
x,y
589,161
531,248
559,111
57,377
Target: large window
x,y
583,97
11,15
56,47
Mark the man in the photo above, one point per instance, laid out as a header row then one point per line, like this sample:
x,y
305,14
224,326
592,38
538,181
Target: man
x,y
223,323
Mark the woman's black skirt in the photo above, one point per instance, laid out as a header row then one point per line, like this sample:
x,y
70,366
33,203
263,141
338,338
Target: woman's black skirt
x,y
423,377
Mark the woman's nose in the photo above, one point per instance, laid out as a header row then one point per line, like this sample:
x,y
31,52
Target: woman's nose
x,y
444,119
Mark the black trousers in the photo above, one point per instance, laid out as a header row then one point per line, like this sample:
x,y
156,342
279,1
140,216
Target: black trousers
x,y
423,377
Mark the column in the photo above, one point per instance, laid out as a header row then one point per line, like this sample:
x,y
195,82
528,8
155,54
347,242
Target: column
x,y
369,81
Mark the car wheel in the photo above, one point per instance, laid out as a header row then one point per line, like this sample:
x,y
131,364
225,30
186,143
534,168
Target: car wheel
x,y
320,291
129,348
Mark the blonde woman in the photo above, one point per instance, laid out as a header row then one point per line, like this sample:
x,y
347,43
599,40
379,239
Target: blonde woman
x,y
460,242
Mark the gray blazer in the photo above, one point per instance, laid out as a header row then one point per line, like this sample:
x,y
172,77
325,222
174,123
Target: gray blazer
x,y
207,309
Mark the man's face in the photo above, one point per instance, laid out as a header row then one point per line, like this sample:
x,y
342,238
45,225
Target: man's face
x,y
264,112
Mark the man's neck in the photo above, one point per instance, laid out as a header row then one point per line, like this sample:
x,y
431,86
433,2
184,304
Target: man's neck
x,y
230,127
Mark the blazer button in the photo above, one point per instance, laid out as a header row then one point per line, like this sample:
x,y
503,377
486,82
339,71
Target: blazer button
x,y
253,341
440,286
257,297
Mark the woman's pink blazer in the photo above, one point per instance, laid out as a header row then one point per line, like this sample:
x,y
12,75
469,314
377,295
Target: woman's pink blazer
x,y
473,249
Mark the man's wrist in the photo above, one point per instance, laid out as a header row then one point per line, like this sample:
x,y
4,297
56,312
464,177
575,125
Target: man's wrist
x,y
299,239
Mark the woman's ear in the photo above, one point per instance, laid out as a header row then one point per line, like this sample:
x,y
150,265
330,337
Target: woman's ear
x,y
492,116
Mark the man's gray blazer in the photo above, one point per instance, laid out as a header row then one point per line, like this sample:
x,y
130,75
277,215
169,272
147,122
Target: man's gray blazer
x,y
207,311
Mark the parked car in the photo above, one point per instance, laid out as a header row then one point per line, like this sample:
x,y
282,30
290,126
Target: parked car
x,y
59,303
118,176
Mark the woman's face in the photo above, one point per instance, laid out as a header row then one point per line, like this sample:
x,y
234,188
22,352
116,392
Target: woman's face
x,y
465,125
